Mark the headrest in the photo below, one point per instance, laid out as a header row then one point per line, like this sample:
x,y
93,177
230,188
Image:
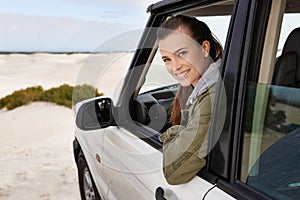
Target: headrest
x,y
287,67
292,44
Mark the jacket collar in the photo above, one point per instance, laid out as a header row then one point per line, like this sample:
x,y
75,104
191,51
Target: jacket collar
x,y
209,78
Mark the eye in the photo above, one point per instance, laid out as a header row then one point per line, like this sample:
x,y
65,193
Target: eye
x,y
182,53
165,60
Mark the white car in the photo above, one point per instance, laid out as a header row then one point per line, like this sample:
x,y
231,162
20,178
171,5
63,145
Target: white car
x,y
254,143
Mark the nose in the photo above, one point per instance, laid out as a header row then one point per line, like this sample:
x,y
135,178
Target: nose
x,y
176,64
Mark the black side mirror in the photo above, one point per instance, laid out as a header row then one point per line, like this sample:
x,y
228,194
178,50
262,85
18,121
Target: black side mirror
x,y
95,114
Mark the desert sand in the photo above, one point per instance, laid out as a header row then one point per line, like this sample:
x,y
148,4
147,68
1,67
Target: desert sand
x,y
36,140
36,153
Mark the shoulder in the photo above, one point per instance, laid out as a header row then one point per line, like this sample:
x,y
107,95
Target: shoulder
x,y
204,102
209,93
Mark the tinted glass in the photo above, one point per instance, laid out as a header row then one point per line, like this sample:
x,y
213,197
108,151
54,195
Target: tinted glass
x,y
271,124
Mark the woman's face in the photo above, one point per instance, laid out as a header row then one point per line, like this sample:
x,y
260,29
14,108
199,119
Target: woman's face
x,y
184,58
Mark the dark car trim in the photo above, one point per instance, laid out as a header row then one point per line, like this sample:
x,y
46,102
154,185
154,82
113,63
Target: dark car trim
x,y
260,11
76,150
171,5
233,59
161,4
241,191
248,43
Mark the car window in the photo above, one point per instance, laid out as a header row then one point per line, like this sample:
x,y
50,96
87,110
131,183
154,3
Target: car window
x,y
271,122
218,25
156,85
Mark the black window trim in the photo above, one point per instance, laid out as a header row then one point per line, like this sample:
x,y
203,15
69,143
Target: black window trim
x,y
233,58
254,39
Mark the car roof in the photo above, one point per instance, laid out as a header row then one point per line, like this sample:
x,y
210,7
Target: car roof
x,y
161,4
293,6
225,4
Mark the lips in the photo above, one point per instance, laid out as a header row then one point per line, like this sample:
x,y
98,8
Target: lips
x,y
182,74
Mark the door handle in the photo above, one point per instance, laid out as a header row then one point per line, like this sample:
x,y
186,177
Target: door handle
x,y
159,194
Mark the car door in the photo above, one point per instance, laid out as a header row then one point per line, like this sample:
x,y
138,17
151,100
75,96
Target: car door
x,y
90,139
259,138
135,172
132,154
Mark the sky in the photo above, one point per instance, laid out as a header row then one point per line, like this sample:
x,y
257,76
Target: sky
x,y
68,25
82,25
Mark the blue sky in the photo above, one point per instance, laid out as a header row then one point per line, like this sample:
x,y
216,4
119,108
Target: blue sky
x,y
80,25
67,25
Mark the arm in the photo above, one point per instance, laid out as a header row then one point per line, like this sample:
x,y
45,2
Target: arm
x,y
185,148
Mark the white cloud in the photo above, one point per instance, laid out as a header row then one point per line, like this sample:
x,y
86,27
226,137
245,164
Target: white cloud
x,y
29,33
45,25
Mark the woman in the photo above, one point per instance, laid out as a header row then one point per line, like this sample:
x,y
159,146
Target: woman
x,y
192,56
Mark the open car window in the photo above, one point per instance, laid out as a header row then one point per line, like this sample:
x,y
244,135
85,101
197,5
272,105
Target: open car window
x,y
156,85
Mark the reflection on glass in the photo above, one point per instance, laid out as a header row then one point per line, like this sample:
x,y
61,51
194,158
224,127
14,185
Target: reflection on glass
x,y
272,140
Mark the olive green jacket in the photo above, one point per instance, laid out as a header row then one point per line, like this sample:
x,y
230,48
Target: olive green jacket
x,y
185,147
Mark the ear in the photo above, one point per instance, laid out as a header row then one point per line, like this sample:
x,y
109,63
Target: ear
x,y
206,47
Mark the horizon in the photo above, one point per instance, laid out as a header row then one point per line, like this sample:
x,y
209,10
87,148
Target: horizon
x,y
64,52
68,25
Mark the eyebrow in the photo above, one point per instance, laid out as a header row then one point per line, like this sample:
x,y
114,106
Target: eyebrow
x,y
182,48
175,52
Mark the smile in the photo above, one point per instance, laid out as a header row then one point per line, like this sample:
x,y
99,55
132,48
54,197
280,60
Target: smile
x,y
182,75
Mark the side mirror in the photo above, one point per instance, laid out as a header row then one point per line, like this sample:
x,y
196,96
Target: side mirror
x,y
95,114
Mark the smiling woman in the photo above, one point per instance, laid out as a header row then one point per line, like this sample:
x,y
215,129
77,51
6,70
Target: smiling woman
x,y
193,60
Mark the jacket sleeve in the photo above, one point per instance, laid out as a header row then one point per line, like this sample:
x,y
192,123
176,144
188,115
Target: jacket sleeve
x,y
185,148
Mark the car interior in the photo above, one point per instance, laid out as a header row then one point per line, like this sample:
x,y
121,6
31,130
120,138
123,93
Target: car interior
x,y
144,102
287,66
275,171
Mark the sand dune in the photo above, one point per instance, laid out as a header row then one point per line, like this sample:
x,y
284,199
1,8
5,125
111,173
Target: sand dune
x,y
36,140
22,70
36,153
18,71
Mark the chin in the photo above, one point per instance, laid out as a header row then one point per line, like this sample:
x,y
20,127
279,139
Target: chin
x,y
184,83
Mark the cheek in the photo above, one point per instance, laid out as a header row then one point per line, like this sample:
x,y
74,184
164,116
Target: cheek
x,y
169,69
197,76
198,61
196,57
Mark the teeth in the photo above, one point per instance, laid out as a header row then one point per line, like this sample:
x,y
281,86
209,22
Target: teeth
x,y
181,75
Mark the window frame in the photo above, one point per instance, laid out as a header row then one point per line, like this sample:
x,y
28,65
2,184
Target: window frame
x,y
248,45
253,47
264,74
143,57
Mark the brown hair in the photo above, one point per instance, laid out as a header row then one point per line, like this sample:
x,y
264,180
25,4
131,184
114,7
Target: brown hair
x,y
179,104
196,29
200,32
